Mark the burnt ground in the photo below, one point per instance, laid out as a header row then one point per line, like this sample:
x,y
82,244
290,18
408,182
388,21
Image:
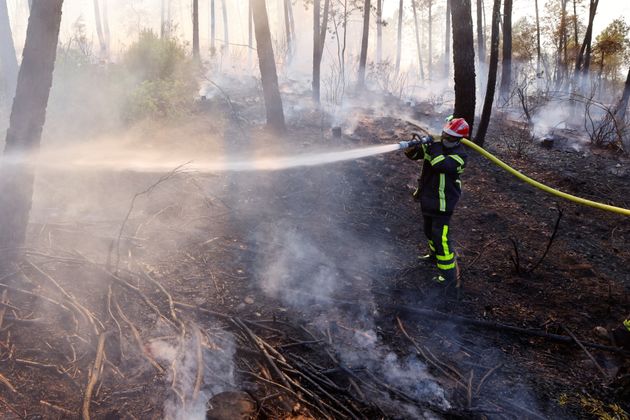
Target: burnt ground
x,y
298,294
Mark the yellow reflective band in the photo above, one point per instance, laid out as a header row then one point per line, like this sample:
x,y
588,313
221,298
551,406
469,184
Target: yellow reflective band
x,y
431,246
626,324
441,194
446,257
437,160
459,183
415,155
458,159
446,267
445,240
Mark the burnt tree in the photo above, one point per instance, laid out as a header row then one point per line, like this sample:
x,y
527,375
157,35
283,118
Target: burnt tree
x,y
320,27
267,63
364,44
622,106
99,29
213,28
583,59
481,44
379,31
447,40
399,38
8,58
492,74
418,48
506,64
463,61
27,120
195,34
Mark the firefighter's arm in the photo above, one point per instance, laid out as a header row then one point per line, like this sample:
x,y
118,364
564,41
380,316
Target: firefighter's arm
x,y
448,164
415,152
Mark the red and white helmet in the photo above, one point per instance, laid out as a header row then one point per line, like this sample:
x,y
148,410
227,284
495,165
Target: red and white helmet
x,y
457,127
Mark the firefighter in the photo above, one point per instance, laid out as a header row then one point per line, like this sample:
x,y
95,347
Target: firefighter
x,y
439,189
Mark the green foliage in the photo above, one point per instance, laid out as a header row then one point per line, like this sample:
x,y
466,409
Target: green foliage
x,y
162,78
612,46
524,39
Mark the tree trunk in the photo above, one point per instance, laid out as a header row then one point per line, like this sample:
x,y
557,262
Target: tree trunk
x,y
250,33
447,40
195,35
399,39
364,44
418,47
481,45
8,58
163,19
213,28
622,106
464,61
99,30
506,65
226,29
316,50
287,28
266,59
379,31
430,58
27,120
492,74
106,32
583,60
537,40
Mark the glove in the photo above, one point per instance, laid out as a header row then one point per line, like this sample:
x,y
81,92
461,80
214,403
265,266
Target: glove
x,y
427,140
423,139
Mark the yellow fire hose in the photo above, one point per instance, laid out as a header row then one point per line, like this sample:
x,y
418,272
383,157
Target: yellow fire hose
x,y
579,200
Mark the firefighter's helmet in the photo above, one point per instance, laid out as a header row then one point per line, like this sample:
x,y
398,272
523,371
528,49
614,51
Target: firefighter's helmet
x,y
457,127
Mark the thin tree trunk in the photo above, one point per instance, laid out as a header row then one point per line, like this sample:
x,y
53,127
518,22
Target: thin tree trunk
x,y
379,31
399,39
8,57
250,32
464,61
316,49
226,29
364,44
430,58
537,40
287,29
447,40
481,45
213,28
195,19
418,47
506,65
106,32
27,120
99,29
583,60
163,19
266,59
492,74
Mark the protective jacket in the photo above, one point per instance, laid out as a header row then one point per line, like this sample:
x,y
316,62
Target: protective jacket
x,y
439,186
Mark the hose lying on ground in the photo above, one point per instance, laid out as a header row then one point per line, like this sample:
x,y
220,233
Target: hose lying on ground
x,y
579,200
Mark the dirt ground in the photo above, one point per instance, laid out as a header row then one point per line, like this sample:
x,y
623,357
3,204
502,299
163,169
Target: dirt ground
x,y
298,294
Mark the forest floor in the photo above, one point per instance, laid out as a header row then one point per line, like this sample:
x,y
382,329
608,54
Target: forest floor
x,y
298,294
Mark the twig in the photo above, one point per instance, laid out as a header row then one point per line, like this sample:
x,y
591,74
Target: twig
x,y
199,378
67,413
486,376
3,309
148,190
588,353
8,384
94,376
553,236
10,407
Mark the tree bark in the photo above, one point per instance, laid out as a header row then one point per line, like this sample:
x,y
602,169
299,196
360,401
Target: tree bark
x,y
447,40
481,45
195,22
163,19
430,58
27,120
8,57
267,63
316,49
399,38
379,31
583,60
537,40
622,106
226,28
492,74
364,44
418,47
213,28
288,28
99,30
506,65
106,32
250,32
464,61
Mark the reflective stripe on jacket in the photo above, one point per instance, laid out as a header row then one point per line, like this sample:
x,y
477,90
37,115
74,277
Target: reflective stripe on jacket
x,y
439,185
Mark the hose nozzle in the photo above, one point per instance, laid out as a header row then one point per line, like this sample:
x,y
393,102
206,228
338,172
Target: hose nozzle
x,y
416,140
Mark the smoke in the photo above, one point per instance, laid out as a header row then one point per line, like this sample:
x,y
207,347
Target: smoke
x,y
217,372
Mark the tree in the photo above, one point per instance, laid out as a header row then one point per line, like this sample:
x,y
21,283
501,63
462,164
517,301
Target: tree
x,y
8,58
379,31
430,28
583,60
622,106
537,39
611,44
289,28
524,40
106,32
319,38
506,64
226,29
447,40
492,74
195,21
213,28
364,44
267,63
481,43
27,120
399,38
463,61
99,30
418,48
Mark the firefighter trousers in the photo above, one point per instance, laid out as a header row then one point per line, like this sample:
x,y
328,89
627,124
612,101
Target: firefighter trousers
x,y
436,229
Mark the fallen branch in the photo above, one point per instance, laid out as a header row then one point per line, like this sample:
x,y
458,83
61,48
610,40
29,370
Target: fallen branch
x,y
588,353
95,373
8,384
